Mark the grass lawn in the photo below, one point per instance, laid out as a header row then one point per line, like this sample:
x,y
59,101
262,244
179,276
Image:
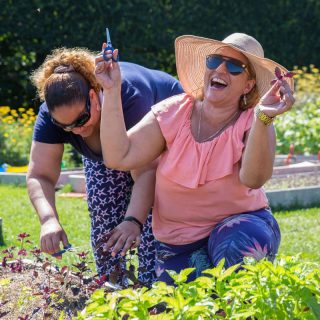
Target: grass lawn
x,y
300,228
19,216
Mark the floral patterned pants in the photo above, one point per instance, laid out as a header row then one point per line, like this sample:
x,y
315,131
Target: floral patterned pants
x,y
255,234
108,193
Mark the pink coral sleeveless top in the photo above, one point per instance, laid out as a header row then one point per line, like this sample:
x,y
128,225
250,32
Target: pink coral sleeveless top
x,y
197,184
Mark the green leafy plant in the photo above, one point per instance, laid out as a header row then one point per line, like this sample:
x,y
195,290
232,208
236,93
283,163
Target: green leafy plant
x,y
15,135
287,289
42,287
300,127
16,127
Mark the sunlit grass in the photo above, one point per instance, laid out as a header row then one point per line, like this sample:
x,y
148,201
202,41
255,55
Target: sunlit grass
x,y
300,228
19,216
300,231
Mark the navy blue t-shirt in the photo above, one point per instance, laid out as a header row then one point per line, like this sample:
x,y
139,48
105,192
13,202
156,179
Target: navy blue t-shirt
x,y
141,89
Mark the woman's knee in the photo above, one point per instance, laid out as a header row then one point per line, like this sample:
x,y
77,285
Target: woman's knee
x,y
245,235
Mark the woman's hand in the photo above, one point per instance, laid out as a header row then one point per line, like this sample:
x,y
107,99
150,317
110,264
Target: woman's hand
x,y
123,237
108,72
51,235
279,99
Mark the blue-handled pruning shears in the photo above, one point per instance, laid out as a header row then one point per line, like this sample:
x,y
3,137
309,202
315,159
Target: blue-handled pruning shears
x,y
109,47
65,249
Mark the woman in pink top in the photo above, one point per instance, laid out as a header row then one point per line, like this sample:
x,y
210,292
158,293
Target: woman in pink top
x,y
216,144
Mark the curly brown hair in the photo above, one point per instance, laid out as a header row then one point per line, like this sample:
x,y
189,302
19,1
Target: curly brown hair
x,y
65,76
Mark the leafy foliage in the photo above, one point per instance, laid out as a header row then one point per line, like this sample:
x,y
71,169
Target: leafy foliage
x,y
16,127
280,76
287,289
300,127
307,82
15,135
144,31
50,288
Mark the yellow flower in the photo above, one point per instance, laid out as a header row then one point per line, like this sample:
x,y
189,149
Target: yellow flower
x,y
22,110
6,135
4,110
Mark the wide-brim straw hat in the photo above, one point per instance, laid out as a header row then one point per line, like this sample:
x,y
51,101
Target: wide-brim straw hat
x,y
191,53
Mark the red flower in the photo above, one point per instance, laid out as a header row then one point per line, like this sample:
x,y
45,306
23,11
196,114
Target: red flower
x,y
21,236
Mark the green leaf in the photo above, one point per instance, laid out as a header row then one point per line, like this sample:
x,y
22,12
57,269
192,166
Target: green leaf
x,y
311,302
182,276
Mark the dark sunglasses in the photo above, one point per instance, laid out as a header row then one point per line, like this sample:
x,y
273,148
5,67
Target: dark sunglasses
x,y
79,122
234,66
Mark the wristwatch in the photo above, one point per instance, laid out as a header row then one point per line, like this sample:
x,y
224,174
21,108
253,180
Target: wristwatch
x,y
263,117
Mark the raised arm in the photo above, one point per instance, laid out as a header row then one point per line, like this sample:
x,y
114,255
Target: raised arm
x,y
259,153
121,150
43,174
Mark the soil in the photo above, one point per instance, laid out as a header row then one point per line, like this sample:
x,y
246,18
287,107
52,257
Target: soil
x,y
290,181
22,295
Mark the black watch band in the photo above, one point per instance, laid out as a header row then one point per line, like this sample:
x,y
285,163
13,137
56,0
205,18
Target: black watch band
x,y
135,220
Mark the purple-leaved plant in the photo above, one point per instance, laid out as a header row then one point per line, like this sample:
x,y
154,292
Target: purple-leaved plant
x,y
280,76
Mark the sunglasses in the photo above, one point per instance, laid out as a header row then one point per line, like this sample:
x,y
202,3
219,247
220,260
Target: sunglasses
x,y
79,122
234,66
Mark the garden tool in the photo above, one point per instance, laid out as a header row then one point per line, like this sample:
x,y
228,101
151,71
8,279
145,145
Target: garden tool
x,y
109,47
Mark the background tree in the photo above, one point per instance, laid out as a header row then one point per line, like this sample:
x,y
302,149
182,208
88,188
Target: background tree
x,y
144,31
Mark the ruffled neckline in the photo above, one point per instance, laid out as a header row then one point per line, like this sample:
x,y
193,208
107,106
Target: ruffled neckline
x,y
191,163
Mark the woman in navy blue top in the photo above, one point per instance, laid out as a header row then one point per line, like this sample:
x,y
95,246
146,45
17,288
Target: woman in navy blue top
x,y
70,114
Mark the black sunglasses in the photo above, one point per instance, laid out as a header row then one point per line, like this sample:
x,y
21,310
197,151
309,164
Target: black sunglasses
x,y
234,66
79,122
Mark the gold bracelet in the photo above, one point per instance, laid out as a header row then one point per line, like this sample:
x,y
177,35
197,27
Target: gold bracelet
x,y
263,117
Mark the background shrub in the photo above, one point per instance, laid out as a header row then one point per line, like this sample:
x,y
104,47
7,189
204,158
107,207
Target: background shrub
x,y
15,135
301,126
16,127
144,31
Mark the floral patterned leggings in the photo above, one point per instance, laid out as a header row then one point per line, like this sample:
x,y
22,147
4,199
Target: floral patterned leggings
x,y
255,234
108,193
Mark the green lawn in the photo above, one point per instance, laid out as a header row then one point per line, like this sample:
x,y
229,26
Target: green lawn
x,y
19,216
300,228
